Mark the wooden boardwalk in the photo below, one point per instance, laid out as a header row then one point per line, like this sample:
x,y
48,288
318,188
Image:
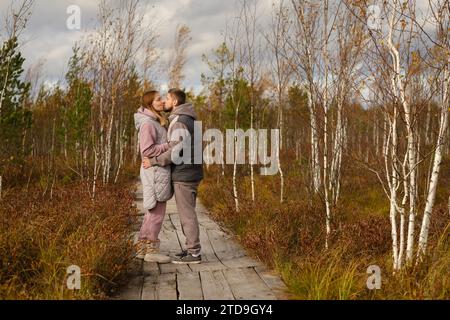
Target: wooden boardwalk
x,y
227,273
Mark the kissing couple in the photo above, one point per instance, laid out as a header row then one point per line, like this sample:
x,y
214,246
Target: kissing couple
x,y
159,139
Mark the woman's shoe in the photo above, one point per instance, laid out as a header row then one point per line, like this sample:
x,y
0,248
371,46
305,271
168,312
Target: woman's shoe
x,y
153,254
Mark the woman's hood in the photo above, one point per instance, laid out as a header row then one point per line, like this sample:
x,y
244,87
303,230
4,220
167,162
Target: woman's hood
x,y
142,116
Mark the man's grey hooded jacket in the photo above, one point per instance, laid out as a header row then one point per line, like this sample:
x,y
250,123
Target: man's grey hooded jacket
x,y
182,118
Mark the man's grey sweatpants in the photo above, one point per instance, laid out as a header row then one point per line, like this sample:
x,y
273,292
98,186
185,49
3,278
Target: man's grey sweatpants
x,y
186,198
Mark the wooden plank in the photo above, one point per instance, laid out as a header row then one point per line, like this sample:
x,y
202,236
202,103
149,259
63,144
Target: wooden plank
x,y
150,269
169,240
171,206
243,262
208,254
167,287
178,231
274,282
174,268
200,207
133,290
225,248
150,287
247,285
189,286
209,224
208,266
215,286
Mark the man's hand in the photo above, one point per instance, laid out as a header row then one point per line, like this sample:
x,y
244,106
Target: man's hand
x,y
146,163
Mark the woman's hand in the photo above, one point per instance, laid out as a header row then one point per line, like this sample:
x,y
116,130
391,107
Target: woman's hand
x,y
146,163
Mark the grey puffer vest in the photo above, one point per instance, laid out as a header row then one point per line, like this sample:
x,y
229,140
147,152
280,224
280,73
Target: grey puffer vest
x,y
156,181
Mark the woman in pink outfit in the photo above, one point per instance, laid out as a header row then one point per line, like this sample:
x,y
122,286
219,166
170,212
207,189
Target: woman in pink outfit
x,y
156,181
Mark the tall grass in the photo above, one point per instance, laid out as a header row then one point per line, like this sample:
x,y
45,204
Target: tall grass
x,y
290,238
40,237
326,277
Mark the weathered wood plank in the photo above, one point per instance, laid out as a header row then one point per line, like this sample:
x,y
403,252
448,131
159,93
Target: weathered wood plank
x,y
169,240
208,266
171,206
150,269
189,286
178,230
167,287
208,254
247,285
243,262
133,289
225,248
274,282
209,224
215,286
174,268
150,287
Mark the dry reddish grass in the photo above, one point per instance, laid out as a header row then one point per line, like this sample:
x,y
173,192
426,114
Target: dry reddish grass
x,y
290,237
40,237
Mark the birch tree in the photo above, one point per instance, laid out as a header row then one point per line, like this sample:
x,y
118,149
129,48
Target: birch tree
x,y
282,71
252,68
441,19
304,44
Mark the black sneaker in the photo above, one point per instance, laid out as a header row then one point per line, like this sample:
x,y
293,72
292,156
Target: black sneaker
x,y
183,253
188,259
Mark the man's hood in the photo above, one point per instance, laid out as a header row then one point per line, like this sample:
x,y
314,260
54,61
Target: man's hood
x,y
142,116
185,109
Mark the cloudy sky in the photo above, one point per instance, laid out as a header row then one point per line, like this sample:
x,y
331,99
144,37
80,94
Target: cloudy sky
x,y
49,42
47,39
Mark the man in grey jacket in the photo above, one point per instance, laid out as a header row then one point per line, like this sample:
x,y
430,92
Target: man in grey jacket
x,y
187,171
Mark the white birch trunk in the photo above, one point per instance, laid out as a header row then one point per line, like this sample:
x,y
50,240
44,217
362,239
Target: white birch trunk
x,y
325,128
423,238
314,144
235,191
252,155
393,190
399,92
280,127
